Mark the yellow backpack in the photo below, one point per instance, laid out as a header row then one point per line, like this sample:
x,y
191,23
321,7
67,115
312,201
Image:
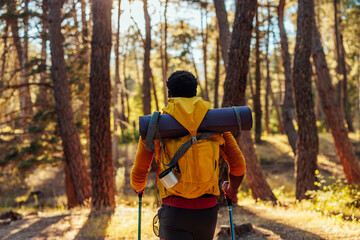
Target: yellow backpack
x,y
197,170
193,160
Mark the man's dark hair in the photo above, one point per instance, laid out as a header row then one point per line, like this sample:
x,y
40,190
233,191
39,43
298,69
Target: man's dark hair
x,y
182,84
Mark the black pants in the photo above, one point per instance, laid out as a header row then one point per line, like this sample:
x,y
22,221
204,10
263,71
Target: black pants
x,y
187,224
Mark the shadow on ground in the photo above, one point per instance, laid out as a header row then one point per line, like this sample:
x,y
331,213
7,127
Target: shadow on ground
x,y
95,226
264,228
34,229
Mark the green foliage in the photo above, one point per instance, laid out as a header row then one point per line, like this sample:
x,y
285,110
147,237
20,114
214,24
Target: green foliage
x,y
335,198
43,146
13,154
129,135
35,160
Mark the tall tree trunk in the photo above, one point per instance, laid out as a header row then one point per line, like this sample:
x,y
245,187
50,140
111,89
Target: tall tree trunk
x,y
102,166
334,116
346,103
204,36
154,92
124,93
281,127
85,33
358,83
217,75
234,95
68,131
268,81
224,31
21,49
76,26
25,92
317,105
166,58
257,101
116,88
288,105
307,145
251,85
164,55
340,89
42,96
161,49
69,188
84,23
146,92
341,70
3,57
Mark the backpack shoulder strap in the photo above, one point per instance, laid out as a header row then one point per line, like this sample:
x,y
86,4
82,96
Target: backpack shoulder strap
x,y
152,131
183,149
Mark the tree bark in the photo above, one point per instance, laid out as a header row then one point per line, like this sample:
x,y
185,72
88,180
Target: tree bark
x,y
116,88
224,31
70,191
154,92
76,34
25,92
344,86
335,117
257,101
217,75
166,58
21,49
102,166
3,57
204,36
42,96
307,145
68,132
268,81
84,22
146,92
164,55
288,105
124,93
85,33
338,57
234,95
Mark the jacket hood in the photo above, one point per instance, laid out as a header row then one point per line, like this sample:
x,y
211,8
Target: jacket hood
x,y
189,112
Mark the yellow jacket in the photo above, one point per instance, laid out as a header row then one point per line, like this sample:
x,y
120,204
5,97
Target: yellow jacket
x,y
189,112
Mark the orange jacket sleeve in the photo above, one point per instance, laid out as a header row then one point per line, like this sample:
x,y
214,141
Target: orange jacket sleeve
x,y
232,154
141,167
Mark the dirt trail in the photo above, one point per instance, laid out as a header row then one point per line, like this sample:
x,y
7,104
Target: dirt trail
x,y
75,224
268,222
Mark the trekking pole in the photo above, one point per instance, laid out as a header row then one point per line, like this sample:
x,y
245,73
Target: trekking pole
x,y
229,201
139,223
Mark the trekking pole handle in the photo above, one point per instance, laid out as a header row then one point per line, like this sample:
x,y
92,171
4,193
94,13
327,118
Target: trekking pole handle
x,y
229,201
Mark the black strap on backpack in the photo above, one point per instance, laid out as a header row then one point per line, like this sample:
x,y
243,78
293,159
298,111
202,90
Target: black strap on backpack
x,y
183,149
238,118
152,131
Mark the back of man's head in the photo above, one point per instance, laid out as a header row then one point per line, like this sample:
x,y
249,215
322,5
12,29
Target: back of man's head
x,y
182,84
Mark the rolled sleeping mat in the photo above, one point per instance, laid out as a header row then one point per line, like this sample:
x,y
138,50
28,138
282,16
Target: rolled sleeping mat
x,y
216,120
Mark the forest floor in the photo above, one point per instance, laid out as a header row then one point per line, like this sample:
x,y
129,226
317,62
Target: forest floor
x,y
39,195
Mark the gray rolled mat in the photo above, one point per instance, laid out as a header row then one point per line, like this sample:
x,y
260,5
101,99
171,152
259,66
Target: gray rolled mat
x,y
216,120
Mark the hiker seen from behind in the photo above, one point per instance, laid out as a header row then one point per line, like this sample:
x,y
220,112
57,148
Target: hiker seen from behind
x,y
189,206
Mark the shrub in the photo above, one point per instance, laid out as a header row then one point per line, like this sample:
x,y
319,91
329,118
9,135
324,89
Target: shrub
x,y
335,198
